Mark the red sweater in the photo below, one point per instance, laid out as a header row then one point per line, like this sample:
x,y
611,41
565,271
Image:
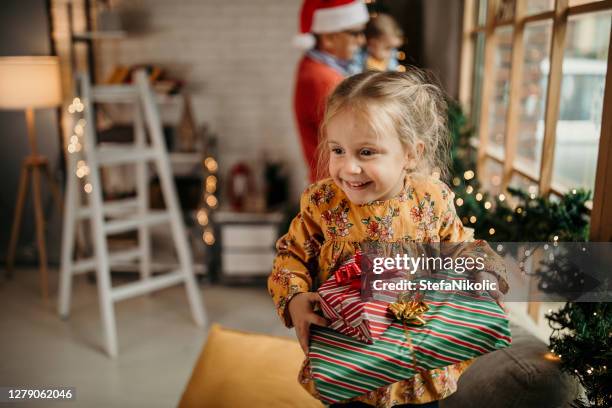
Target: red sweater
x,y
314,83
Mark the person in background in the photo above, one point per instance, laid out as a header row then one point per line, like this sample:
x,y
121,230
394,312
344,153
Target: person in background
x,y
331,32
383,37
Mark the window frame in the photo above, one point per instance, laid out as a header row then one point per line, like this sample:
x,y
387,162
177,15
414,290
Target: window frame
x,y
559,17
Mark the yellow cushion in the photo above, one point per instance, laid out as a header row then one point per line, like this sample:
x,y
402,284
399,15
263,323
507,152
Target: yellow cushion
x,y
239,369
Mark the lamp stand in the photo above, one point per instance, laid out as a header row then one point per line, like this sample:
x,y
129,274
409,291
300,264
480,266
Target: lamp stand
x,y
31,168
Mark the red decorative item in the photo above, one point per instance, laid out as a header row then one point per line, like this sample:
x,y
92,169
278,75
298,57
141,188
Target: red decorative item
x,y
240,185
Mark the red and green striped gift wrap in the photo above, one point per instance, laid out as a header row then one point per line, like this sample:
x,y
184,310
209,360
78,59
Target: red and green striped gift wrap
x,y
458,328
348,314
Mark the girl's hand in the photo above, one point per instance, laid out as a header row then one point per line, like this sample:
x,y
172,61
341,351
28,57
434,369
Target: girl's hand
x,y
497,295
301,310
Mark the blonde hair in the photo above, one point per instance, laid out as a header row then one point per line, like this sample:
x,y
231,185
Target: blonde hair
x,y
382,24
411,104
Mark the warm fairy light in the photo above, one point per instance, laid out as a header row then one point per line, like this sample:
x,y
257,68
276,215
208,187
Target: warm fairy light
x,y
509,218
519,210
82,169
468,175
487,205
556,238
88,188
469,189
208,237
211,164
202,217
478,196
456,181
459,202
551,357
401,68
491,231
212,201
473,219
501,197
211,184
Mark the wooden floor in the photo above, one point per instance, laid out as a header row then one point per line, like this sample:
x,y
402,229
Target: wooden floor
x,y
158,343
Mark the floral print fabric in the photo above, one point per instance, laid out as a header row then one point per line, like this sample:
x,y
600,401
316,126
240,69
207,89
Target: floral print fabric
x,y
328,230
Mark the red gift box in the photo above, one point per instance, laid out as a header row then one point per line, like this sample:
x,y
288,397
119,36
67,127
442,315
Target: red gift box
x,y
346,311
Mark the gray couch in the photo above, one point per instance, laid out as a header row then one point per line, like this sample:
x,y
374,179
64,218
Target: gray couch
x,y
516,377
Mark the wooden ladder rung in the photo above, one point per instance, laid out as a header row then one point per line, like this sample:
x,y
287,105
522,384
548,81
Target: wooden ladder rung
x,y
115,207
89,264
146,286
112,155
129,224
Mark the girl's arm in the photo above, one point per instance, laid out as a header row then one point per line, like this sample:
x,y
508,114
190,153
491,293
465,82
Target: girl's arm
x,y
296,260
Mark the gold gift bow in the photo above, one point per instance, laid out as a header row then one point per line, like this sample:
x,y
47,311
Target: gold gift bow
x,y
409,312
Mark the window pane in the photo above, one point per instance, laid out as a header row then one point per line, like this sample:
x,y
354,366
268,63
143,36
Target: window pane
x,y
501,87
491,180
537,37
481,12
477,80
580,110
538,6
525,184
504,10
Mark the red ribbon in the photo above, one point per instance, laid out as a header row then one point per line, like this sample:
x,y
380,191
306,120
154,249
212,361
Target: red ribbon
x,y
349,273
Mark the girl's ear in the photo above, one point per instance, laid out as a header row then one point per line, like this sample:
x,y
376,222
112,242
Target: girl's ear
x,y
414,155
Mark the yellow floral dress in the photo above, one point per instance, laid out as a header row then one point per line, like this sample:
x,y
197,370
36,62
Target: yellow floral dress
x,y
328,230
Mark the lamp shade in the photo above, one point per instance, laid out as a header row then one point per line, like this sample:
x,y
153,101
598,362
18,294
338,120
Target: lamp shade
x,y
29,82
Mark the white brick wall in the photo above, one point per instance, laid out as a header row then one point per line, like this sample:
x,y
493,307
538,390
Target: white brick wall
x,y
237,58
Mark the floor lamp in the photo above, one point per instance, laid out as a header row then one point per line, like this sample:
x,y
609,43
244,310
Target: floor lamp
x,y
27,83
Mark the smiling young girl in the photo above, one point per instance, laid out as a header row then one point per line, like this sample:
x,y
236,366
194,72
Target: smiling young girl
x,y
383,150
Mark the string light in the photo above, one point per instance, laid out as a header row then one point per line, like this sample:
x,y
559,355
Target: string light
x,y
212,201
202,217
211,164
491,231
88,188
509,218
478,196
459,202
469,189
468,175
501,197
473,219
456,181
519,210
487,205
208,237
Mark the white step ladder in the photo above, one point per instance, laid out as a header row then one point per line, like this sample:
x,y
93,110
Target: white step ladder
x,y
115,217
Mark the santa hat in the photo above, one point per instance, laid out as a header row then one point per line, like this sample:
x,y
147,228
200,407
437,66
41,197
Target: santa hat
x,y
328,16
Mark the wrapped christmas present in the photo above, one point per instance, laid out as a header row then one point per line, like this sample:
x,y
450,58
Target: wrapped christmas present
x,y
346,310
437,331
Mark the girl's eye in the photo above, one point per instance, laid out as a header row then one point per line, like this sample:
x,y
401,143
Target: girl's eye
x,y
366,152
336,150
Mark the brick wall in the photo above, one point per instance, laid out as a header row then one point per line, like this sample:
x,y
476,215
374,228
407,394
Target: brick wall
x,y
237,59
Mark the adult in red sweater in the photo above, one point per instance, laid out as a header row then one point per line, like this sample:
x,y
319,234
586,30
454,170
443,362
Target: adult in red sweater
x,y
334,30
